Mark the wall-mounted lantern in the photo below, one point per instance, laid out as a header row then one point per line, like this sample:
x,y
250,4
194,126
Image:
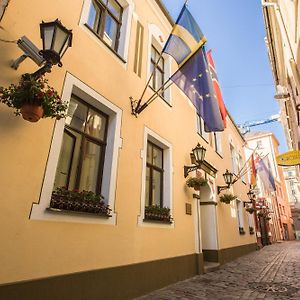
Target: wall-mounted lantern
x,y
56,40
229,180
197,156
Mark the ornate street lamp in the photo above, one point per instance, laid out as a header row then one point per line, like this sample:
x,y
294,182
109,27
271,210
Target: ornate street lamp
x,y
228,178
56,40
197,155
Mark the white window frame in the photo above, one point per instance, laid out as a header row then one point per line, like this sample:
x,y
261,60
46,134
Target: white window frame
x,y
200,129
157,39
39,210
218,142
128,9
151,136
239,210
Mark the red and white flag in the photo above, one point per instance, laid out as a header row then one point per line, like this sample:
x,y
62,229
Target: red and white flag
x,y
217,86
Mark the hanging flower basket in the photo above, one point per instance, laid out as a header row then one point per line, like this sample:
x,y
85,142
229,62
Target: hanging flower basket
x,y
250,210
196,182
227,198
33,98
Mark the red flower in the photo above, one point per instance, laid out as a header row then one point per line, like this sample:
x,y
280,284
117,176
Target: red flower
x,y
50,93
40,94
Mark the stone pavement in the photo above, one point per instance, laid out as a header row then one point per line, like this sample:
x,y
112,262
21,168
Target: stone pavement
x,y
270,273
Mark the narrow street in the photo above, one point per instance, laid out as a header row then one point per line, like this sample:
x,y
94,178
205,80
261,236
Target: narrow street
x,y
271,273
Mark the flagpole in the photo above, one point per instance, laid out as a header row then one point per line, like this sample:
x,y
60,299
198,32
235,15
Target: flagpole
x,y
154,96
147,84
161,54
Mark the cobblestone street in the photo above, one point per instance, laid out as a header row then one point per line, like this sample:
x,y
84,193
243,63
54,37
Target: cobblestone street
x,y
271,273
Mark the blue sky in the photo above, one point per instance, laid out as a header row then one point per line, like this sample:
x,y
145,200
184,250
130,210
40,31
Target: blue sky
x,y
235,32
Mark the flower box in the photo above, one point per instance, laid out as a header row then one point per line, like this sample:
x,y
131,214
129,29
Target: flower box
x,y
157,213
86,202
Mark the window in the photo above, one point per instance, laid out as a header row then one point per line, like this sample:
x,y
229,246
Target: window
x,y
156,182
241,165
158,71
154,176
240,218
218,142
104,19
200,127
103,131
82,153
233,159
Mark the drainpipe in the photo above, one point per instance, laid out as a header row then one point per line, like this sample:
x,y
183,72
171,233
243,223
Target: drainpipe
x,y
3,6
285,36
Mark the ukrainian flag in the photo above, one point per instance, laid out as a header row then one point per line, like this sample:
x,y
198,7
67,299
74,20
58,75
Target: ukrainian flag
x,y
185,38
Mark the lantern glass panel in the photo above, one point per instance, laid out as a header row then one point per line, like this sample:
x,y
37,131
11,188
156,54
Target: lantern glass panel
x,y
60,39
48,36
228,177
66,46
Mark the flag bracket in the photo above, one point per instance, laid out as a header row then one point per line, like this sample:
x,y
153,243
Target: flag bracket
x,y
134,106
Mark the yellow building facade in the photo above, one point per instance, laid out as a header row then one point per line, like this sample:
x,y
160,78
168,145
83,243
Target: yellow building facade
x,y
59,254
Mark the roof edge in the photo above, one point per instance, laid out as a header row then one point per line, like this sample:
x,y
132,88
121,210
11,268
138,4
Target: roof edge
x,y
165,11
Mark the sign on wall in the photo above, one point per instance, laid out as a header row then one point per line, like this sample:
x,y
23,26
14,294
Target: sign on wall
x,y
291,158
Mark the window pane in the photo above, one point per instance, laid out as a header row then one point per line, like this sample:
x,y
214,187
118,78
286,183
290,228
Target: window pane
x,y
94,17
149,153
110,32
157,157
161,63
90,165
64,164
152,82
147,200
153,54
156,188
159,79
77,113
96,125
114,8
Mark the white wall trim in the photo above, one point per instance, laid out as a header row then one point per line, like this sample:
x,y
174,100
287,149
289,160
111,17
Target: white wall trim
x,y
149,135
73,85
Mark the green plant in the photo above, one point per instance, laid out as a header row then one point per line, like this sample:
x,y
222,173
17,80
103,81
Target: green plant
x,y
250,210
35,91
155,212
84,201
251,230
155,209
226,198
196,182
241,230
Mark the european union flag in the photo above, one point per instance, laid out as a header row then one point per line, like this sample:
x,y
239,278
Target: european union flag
x,y
194,79
185,38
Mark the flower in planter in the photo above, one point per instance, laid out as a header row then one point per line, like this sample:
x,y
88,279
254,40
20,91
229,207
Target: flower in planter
x,y
158,213
241,230
34,99
84,201
196,182
227,198
250,210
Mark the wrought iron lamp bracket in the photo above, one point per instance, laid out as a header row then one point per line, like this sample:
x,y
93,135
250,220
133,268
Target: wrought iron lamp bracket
x,y
188,169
